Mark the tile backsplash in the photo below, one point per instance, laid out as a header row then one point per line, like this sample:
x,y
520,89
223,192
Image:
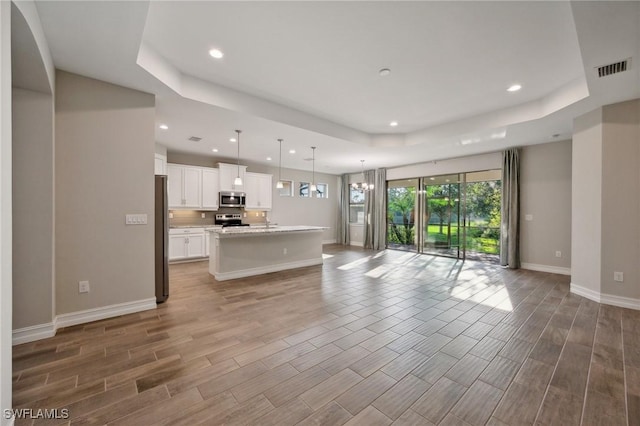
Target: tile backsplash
x,y
194,217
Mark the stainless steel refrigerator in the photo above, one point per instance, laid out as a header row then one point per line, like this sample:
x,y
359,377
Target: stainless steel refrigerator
x,y
162,239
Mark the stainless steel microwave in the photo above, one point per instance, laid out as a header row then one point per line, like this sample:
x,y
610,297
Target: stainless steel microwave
x,y
232,199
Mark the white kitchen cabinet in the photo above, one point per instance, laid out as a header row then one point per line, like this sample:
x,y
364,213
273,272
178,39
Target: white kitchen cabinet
x,y
258,191
160,164
210,188
184,186
186,243
228,173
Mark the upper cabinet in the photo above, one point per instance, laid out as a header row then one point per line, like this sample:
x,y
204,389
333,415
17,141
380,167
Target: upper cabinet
x,y
197,188
160,164
191,187
184,186
228,173
210,188
258,191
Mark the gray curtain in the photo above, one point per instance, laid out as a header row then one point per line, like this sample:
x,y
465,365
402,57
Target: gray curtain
x,y
380,211
342,234
369,210
510,210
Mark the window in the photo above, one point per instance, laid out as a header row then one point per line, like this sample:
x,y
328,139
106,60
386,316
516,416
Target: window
x,y
321,190
356,205
287,189
303,189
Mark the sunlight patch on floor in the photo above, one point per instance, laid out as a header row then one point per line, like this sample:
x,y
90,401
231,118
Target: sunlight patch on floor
x,y
488,296
379,271
354,264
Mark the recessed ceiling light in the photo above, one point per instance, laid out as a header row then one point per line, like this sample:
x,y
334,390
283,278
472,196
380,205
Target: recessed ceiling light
x,y
215,150
233,140
292,151
164,127
393,124
514,88
268,158
384,72
216,53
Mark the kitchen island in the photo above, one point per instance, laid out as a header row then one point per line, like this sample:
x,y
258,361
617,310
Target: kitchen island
x,y
237,252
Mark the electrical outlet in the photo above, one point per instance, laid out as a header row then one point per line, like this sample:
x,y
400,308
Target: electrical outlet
x,y
170,215
262,214
83,287
202,215
528,217
558,253
284,251
618,276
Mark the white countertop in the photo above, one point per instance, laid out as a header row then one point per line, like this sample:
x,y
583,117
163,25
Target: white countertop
x,y
244,230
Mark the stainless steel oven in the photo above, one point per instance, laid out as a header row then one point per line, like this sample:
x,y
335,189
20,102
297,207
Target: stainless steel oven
x,y
232,199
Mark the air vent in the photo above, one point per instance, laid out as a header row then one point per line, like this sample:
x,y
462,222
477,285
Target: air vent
x,y
614,68
195,139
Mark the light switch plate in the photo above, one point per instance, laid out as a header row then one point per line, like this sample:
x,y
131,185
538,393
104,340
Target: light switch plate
x,y
528,217
618,276
136,219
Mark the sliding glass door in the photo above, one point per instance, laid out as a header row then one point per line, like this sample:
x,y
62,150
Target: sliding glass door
x,y
401,214
456,215
441,229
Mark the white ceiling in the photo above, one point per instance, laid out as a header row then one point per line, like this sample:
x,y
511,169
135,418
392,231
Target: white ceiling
x,y
307,72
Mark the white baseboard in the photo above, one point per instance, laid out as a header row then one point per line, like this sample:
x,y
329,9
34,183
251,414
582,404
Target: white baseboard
x,y
224,276
546,268
95,314
43,331
33,333
356,243
329,242
607,299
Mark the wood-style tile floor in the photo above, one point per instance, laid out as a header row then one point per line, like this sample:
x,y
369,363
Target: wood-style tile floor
x,y
368,338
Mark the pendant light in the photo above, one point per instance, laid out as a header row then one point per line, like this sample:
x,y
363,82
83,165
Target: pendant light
x,y
279,184
313,187
363,185
238,180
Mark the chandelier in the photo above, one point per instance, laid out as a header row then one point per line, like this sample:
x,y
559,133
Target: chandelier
x,y
362,185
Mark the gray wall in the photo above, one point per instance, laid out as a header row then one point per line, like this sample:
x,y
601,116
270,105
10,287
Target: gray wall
x,y
33,200
606,203
621,198
286,210
546,194
104,170
586,196
5,207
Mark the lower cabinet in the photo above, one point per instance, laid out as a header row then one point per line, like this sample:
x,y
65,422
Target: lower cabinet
x,y
186,243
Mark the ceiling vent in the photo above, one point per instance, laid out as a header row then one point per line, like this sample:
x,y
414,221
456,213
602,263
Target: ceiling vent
x,y
614,68
194,139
